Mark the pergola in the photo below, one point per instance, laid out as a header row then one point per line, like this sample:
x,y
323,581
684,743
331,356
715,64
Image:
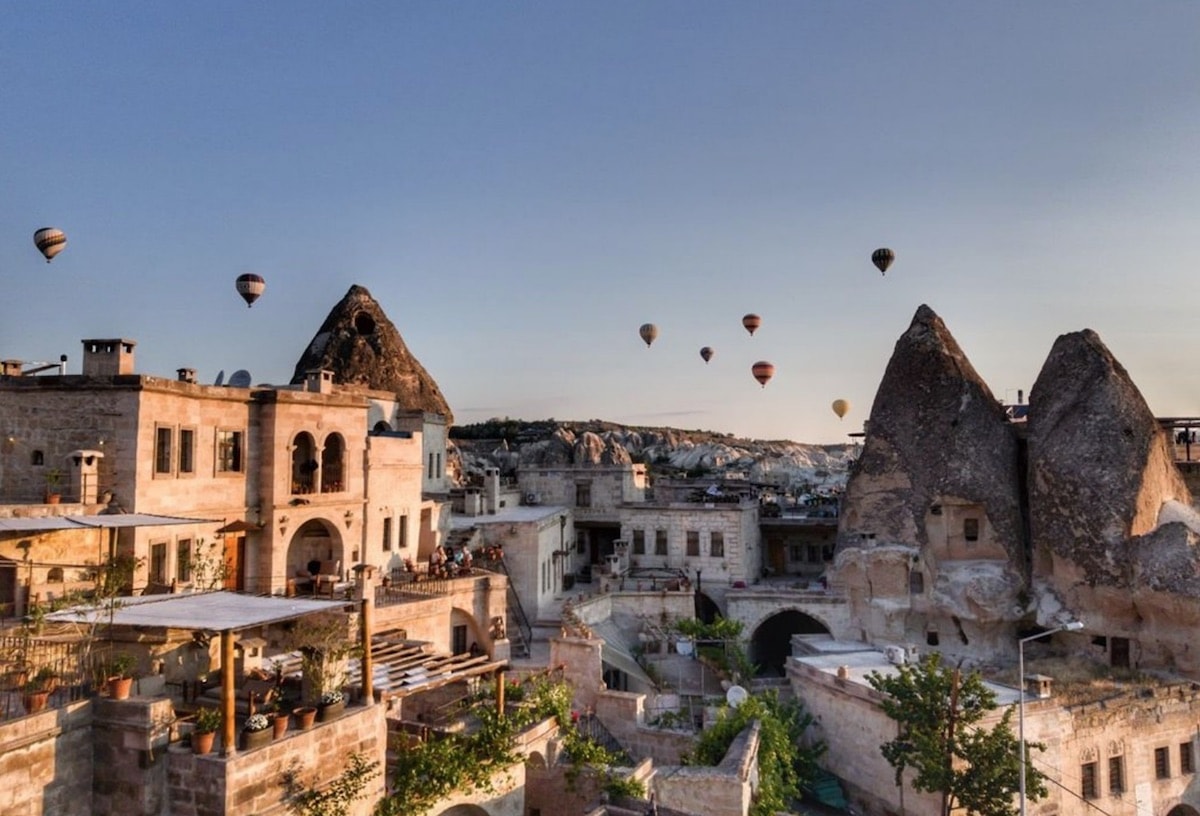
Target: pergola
x,y
221,611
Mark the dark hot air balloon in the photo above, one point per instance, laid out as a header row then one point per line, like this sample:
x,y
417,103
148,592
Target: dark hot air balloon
x,y
706,353
841,407
882,258
648,331
763,372
250,287
751,322
50,241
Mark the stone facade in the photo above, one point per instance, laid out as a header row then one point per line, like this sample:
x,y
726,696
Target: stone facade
x,y
46,763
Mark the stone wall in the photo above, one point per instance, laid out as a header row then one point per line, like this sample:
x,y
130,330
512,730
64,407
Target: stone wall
x,y
624,715
130,740
251,781
46,763
723,790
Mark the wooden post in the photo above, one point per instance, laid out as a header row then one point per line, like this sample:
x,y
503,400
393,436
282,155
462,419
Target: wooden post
x,y
228,696
500,693
367,624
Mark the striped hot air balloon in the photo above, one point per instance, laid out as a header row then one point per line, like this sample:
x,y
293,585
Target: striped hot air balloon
x,y
751,322
648,332
763,372
250,287
707,353
50,241
882,258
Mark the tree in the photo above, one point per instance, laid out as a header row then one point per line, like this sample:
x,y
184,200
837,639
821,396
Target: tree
x,y
938,711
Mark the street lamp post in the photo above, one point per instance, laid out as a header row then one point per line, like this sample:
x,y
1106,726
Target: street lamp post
x,y
1072,626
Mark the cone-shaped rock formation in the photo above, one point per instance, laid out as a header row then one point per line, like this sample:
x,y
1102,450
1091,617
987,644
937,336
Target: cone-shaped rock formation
x,y
361,346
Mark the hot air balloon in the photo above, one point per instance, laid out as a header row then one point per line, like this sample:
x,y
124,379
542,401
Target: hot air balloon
x,y
250,286
763,372
648,331
841,407
751,322
50,241
882,258
706,353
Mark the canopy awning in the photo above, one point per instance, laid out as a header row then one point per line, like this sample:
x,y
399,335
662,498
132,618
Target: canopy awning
x,y
239,526
616,653
116,520
219,611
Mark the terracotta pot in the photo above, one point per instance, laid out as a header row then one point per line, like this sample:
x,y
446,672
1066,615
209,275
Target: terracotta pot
x,y
305,717
119,688
280,723
256,739
203,743
331,711
35,701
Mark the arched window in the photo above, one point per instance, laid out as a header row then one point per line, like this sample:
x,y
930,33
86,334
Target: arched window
x,y
55,575
304,463
37,458
333,464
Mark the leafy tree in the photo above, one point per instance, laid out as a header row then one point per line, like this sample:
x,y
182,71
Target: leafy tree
x,y
336,798
784,766
938,711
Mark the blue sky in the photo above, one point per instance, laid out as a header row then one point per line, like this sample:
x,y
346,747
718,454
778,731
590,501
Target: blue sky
x,y
522,185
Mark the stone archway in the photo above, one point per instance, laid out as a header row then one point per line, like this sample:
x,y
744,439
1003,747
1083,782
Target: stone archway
x,y
465,631
316,540
464,810
771,641
707,609
1183,810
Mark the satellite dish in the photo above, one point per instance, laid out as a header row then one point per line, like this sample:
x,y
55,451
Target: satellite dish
x,y
220,380
683,646
239,379
736,696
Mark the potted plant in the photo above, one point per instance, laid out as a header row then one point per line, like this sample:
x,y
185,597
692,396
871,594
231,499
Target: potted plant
x,y
325,641
54,477
38,690
305,716
120,675
279,719
208,720
256,732
333,703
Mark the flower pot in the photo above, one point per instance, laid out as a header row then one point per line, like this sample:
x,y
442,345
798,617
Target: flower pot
x,y
35,701
256,739
203,743
279,725
305,716
331,711
119,688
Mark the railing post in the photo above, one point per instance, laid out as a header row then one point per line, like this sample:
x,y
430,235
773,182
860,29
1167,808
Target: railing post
x,y
228,709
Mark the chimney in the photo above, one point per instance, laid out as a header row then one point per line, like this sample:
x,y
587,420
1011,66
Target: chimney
x,y
1039,686
10,368
491,490
187,375
319,381
1020,396
107,358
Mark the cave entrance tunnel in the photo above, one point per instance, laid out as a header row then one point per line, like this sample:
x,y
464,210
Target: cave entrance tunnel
x,y
771,643
1183,810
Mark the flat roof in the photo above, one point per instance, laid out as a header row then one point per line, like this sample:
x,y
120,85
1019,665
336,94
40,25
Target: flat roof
x,y
48,523
221,611
507,515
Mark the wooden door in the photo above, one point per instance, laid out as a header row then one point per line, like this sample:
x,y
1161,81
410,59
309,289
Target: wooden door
x,y
235,562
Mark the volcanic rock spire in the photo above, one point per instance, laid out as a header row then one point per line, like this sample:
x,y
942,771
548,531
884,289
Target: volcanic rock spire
x,y
361,346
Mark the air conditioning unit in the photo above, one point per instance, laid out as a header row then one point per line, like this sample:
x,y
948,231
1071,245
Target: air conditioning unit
x,y
533,498
896,655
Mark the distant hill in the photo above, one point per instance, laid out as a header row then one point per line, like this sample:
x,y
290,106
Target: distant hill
x,y
512,443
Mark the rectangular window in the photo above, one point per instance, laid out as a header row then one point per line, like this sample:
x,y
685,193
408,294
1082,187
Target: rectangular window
x,y
430,466
814,554
971,529
158,563
639,542
459,637
693,543
229,452
162,449
660,542
183,560
187,450
795,553
580,542
403,532
437,471
1187,764
1116,776
583,494
1087,776
1162,763
716,544
387,534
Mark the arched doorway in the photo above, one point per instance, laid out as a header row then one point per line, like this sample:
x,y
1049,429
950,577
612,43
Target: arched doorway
x,y
464,810
706,608
1183,810
771,643
316,540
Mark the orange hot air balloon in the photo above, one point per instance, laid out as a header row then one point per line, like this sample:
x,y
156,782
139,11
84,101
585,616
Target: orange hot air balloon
x,y
50,241
649,332
882,258
751,322
706,353
841,407
763,372
250,287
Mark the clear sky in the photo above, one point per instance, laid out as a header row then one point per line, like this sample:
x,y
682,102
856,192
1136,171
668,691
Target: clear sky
x,y
522,185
